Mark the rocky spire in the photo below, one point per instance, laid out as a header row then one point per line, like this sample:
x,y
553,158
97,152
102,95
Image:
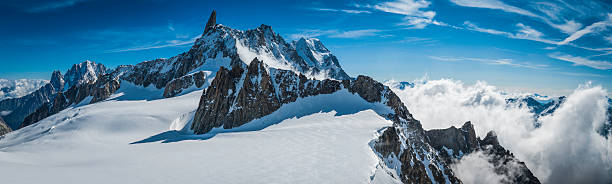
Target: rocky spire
x,y
212,21
57,81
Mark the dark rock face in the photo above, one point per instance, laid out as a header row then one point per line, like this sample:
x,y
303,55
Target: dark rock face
x,y
374,91
461,141
57,80
606,128
212,21
405,142
177,86
4,129
454,143
242,94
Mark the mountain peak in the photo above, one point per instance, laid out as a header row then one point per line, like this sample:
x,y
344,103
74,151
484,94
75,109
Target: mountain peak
x,y
85,72
57,80
265,27
212,21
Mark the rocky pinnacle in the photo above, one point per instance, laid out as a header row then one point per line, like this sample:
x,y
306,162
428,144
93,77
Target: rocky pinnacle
x,y
212,21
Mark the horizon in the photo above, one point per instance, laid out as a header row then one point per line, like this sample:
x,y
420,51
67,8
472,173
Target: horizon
x,y
549,48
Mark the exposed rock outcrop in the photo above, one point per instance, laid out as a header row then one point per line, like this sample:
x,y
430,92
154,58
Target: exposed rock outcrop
x,y
454,143
244,93
4,128
57,80
177,86
212,21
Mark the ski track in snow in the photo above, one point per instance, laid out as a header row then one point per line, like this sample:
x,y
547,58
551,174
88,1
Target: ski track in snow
x,y
91,144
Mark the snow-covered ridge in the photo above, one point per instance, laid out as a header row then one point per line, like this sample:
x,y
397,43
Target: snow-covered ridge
x,y
305,56
20,87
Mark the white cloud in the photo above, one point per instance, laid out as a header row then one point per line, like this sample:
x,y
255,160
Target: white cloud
x,y
609,39
171,27
4,113
565,149
581,74
355,11
508,62
355,33
419,22
53,4
474,27
416,16
528,32
567,27
311,33
524,32
416,40
334,33
475,168
493,4
595,27
580,61
343,10
551,10
156,45
444,58
406,7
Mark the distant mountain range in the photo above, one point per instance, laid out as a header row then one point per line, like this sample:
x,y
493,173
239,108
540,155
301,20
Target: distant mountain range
x,y
19,88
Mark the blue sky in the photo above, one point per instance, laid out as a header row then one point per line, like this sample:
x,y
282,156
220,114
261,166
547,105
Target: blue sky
x,y
548,47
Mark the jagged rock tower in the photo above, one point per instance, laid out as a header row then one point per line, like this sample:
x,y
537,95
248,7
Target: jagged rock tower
x,y
212,21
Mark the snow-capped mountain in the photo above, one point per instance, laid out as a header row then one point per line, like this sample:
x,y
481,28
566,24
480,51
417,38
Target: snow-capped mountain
x,y
399,84
19,88
321,63
285,104
15,110
219,46
543,106
540,106
85,72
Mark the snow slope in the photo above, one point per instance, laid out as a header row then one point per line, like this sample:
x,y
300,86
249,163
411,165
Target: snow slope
x,y
110,142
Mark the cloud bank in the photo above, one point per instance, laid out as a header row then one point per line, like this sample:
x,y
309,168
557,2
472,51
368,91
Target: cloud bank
x,y
477,161
565,149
